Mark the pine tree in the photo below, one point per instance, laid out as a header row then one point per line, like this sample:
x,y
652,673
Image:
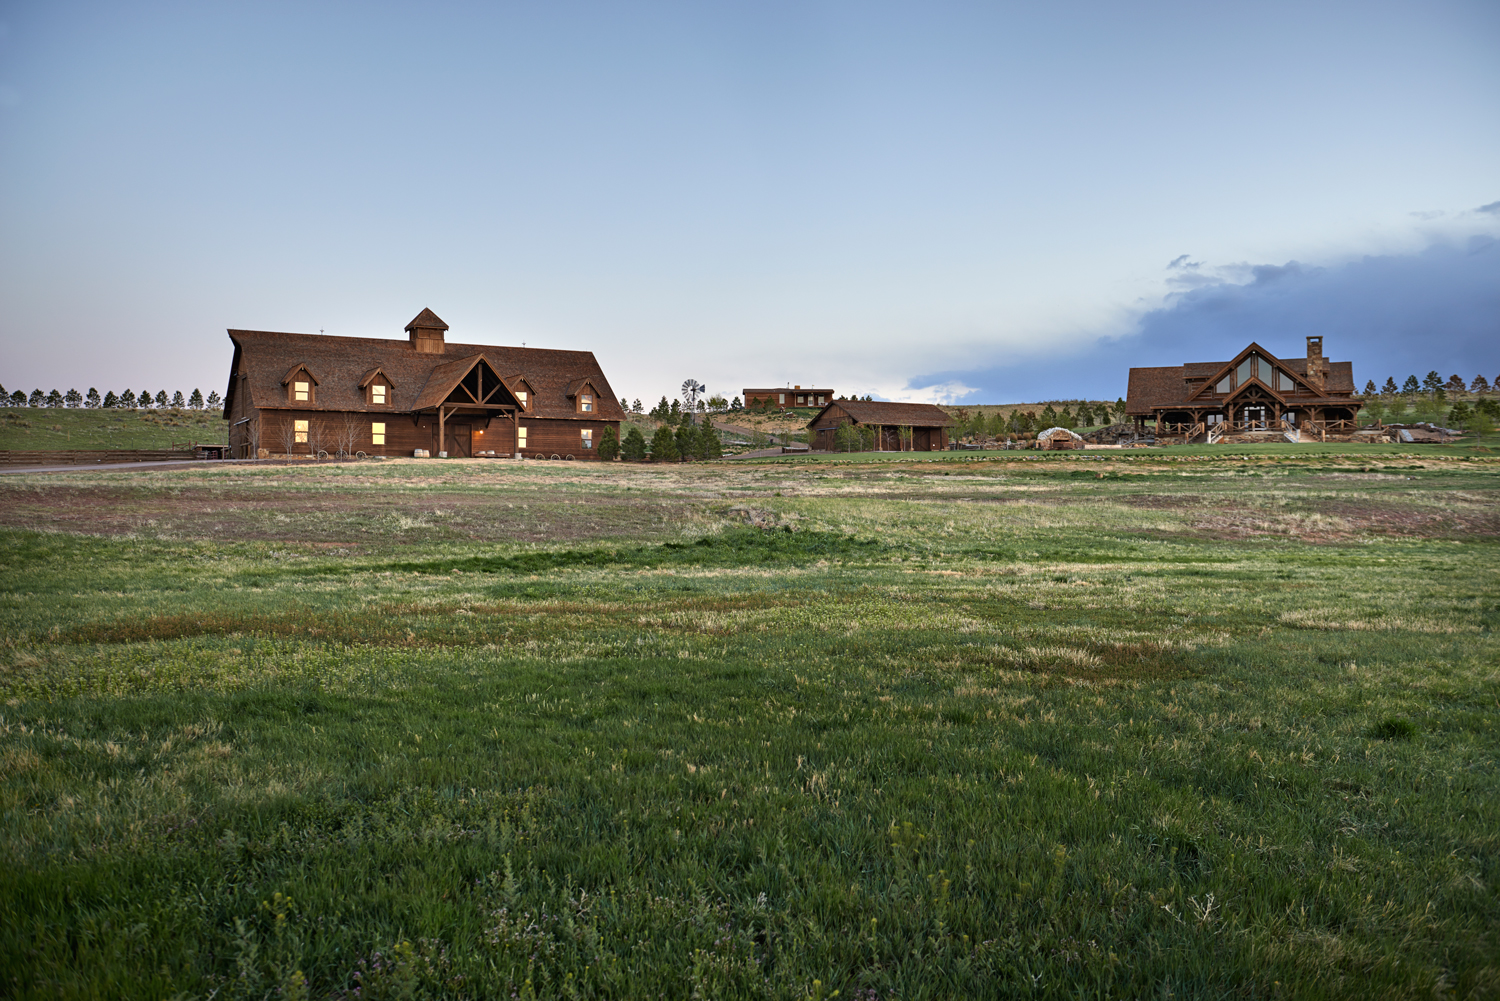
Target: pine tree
x,y
1120,410
92,399
674,412
4,394
54,399
1390,388
73,398
213,399
36,399
609,444
18,399
1065,417
664,444
196,400
635,407
686,439
1049,417
1479,385
1370,389
177,401
633,448
1459,415
711,446
1411,386
127,400
1432,382
161,399
625,406
111,400
735,403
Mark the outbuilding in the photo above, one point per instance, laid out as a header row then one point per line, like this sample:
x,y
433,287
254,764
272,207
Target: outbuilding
x,y
898,427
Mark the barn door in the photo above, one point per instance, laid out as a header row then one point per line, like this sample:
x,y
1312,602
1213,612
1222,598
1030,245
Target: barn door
x,y
460,441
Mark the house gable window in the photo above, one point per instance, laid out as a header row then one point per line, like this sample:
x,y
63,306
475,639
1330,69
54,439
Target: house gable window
x,y
300,385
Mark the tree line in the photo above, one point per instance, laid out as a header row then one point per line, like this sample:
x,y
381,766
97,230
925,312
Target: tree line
x,y
1428,400
1075,414
127,400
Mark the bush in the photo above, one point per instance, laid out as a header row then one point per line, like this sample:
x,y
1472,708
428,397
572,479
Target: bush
x,y
633,448
609,444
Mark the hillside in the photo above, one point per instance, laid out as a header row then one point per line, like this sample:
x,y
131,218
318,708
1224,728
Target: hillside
x,y
38,429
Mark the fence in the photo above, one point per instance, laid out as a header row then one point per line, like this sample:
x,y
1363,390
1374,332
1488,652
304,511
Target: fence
x,y
89,457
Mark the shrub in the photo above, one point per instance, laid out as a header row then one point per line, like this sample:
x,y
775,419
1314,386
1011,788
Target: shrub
x,y
664,445
633,448
609,444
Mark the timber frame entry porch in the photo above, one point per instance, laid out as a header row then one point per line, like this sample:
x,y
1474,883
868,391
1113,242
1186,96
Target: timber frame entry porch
x,y
469,388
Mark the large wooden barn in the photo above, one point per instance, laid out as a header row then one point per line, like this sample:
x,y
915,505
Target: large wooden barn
x,y
305,393
1253,390
898,427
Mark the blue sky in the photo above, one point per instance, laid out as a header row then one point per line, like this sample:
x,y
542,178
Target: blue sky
x,y
979,202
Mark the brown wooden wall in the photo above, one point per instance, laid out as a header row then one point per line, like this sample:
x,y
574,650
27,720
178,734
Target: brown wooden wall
x,y
463,435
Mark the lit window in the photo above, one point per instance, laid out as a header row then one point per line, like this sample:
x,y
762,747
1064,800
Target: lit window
x,y
377,394
588,438
377,434
299,430
520,439
586,403
521,396
301,392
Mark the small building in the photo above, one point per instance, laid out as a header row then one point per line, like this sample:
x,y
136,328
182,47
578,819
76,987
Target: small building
x,y
795,396
306,393
898,427
1056,439
1254,389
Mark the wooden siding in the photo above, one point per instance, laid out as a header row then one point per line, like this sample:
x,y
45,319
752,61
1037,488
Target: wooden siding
x,y
463,435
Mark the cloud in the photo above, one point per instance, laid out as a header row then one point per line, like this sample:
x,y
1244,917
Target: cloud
x,y
1391,315
1493,208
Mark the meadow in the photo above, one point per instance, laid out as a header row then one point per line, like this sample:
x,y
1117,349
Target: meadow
x,y
1013,725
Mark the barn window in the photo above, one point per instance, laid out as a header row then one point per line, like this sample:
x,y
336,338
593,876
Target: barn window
x,y
378,394
299,432
301,392
586,402
521,398
520,439
377,433
588,437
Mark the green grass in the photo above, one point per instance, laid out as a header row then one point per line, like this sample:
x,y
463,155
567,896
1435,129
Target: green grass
x,y
1021,726
47,429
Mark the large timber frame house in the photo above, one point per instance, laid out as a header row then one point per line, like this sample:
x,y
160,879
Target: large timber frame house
x,y
1252,392
309,393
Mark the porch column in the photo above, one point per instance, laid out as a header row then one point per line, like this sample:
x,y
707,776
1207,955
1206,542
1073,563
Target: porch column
x,y
442,416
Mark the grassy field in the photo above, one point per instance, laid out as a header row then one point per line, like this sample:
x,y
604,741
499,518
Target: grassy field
x,y
1095,725
46,428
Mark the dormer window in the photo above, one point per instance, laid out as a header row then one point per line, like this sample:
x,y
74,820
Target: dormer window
x,y
586,402
521,398
378,389
379,394
301,386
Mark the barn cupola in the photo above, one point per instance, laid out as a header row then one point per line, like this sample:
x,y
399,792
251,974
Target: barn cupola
x,y
426,332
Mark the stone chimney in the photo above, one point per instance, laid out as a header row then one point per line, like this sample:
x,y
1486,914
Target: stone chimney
x,y
426,332
1317,365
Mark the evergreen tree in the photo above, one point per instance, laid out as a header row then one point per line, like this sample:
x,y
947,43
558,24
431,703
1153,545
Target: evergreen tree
x,y
710,445
686,439
213,400
73,398
1370,389
92,399
161,399
1049,417
36,399
609,444
54,399
18,399
1411,386
177,401
111,400
624,405
674,412
1479,385
664,444
1120,410
196,400
1432,382
635,407
1065,417
976,423
127,400
4,393
1459,416
1455,384
735,404
633,448
1390,388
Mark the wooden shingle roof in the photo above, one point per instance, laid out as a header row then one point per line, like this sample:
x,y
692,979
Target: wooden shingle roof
x,y
922,415
342,363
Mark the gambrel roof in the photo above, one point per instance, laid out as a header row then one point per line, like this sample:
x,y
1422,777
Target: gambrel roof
x,y
344,366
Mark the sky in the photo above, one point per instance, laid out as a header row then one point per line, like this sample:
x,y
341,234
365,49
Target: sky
x,y
936,201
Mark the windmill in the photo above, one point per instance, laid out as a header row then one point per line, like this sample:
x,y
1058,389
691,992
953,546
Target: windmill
x,y
691,390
